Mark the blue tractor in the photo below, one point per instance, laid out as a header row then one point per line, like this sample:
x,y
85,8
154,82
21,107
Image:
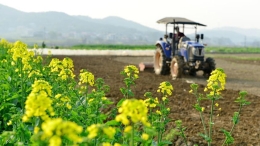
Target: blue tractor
x,y
177,54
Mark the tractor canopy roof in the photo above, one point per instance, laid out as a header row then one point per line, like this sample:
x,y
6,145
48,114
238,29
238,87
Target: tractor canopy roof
x,y
178,20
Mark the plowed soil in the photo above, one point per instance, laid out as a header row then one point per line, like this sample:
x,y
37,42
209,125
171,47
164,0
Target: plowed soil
x,y
241,75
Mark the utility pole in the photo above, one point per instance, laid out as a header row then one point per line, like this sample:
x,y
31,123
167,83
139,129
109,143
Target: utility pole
x,y
44,32
245,42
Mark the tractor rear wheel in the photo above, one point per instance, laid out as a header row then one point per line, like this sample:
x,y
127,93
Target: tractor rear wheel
x,y
209,67
160,62
176,67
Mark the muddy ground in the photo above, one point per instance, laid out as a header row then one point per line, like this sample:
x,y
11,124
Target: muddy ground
x,y
241,75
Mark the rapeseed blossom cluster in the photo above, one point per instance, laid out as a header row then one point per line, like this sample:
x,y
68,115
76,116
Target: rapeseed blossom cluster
x,y
216,82
86,77
165,88
19,52
5,44
65,68
133,110
34,72
96,129
55,129
131,71
55,65
63,101
152,103
39,101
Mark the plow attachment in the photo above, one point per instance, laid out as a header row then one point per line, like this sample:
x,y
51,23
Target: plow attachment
x,y
145,65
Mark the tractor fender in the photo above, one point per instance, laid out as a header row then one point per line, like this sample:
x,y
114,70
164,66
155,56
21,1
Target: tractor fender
x,y
166,47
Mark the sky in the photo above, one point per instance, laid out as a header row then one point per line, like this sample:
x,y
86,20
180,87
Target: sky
x,y
213,13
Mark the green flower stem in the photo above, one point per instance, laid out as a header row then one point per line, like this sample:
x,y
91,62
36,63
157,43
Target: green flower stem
x,y
203,123
132,135
239,111
201,115
211,119
183,135
234,124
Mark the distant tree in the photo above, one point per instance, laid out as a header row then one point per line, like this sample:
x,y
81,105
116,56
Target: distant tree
x,y
43,45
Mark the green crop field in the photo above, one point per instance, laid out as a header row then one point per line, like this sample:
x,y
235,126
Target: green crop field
x,y
151,47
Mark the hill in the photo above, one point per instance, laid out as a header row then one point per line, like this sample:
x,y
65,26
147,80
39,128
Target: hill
x,y
57,28
63,29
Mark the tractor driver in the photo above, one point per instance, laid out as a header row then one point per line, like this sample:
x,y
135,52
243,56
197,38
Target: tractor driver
x,y
179,34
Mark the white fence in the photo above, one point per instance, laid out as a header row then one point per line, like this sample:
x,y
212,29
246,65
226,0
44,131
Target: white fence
x,y
46,51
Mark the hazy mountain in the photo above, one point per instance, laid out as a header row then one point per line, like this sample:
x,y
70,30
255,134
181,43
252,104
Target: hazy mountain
x,y
232,36
62,29
57,28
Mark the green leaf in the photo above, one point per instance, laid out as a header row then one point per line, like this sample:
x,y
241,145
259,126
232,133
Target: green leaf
x,y
5,105
13,97
205,137
120,102
229,139
235,118
164,142
112,123
123,91
5,86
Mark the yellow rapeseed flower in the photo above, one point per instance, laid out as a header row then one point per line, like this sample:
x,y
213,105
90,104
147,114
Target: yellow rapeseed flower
x,y
36,130
68,63
131,71
106,144
68,106
109,131
9,122
55,141
93,130
202,109
39,102
152,103
55,129
164,98
158,112
134,110
5,44
86,77
145,136
216,81
117,144
165,88
128,129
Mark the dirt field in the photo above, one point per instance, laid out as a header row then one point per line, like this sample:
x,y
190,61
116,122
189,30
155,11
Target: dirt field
x,y
241,75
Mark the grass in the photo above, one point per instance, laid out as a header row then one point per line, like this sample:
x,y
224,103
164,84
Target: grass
x,y
151,47
208,50
232,50
235,56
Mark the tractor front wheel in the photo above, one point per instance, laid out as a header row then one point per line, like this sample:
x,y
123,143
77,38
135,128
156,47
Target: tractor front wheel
x,y
176,67
160,63
210,65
